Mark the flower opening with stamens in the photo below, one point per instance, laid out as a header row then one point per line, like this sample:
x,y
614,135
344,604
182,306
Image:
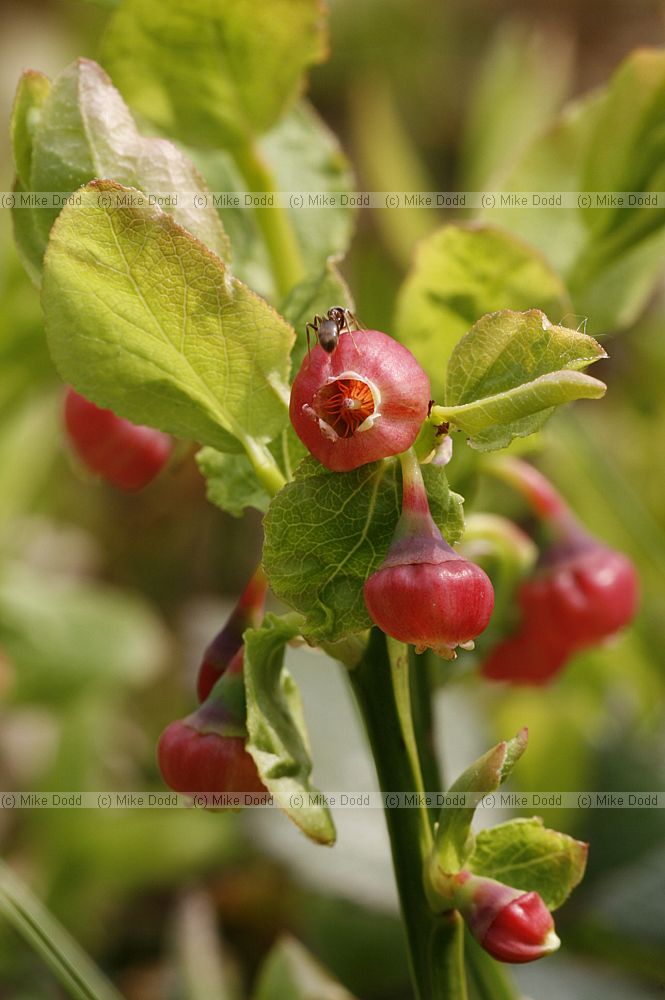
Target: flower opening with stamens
x,y
347,404
363,402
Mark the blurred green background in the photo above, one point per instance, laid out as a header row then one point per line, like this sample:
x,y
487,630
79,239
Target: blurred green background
x,y
102,623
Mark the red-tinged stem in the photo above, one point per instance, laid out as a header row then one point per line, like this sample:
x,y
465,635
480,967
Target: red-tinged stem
x,y
414,494
248,613
252,599
536,489
416,519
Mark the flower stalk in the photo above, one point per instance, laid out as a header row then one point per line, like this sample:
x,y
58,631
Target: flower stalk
x,y
435,941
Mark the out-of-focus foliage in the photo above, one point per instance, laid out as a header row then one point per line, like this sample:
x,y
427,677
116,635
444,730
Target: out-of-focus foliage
x,y
106,603
609,144
459,274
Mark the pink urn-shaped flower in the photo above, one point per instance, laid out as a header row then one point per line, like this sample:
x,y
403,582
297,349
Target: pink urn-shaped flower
x,y
205,752
124,454
581,592
362,402
425,593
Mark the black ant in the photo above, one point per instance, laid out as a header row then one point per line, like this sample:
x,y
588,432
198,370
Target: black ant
x,y
327,329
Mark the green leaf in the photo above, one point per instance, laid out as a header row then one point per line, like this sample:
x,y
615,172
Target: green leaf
x,y
28,238
86,131
522,79
64,636
31,93
145,320
302,155
316,294
290,971
326,532
454,840
73,968
459,274
494,421
552,162
526,855
277,736
609,253
213,74
251,262
305,156
231,482
509,371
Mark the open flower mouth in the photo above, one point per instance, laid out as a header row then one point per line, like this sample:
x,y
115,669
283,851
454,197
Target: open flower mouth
x,y
365,401
346,404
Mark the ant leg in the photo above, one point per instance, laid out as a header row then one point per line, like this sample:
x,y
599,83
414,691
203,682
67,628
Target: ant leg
x,y
308,327
354,319
350,319
313,325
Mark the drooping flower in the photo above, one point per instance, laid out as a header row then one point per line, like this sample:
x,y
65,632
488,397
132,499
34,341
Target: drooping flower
x,y
580,594
425,593
205,752
126,455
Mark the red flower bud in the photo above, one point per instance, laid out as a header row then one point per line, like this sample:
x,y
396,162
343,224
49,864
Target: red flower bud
x,y
192,761
522,931
581,594
227,644
513,926
425,593
364,401
126,455
206,751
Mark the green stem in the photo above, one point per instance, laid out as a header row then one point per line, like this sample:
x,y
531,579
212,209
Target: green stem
x,y
511,552
423,721
434,941
449,946
283,250
266,468
398,653
490,979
